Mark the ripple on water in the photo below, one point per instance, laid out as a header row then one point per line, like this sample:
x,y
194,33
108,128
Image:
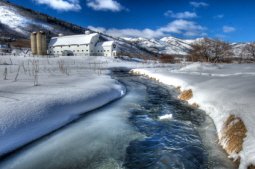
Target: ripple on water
x,y
166,144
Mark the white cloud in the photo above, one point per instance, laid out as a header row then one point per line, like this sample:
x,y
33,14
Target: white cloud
x,y
198,4
128,32
184,27
61,5
228,29
181,15
187,28
105,5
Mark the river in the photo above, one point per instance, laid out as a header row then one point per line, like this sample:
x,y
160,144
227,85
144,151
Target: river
x,y
149,128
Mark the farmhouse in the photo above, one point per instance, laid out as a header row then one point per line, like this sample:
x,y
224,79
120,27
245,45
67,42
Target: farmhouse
x,y
88,44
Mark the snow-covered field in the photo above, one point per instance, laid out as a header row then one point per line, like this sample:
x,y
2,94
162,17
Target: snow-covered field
x,y
221,90
40,95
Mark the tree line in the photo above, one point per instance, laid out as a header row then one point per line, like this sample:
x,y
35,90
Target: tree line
x,y
216,51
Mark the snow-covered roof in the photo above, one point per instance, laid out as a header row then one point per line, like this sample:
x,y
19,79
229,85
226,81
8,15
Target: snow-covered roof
x,y
106,43
72,40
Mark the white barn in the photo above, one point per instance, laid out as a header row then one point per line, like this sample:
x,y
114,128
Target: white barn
x,y
78,45
107,48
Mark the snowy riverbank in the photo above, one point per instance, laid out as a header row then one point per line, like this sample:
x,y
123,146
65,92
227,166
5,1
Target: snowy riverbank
x,y
42,95
39,95
222,91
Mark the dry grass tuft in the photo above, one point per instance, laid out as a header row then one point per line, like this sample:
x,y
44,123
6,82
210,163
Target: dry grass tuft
x,y
186,95
233,133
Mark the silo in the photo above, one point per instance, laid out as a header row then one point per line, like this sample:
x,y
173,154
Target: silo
x,y
33,43
39,43
44,43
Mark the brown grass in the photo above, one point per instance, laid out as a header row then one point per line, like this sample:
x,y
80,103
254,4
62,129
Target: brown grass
x,y
178,88
186,95
251,167
167,59
195,105
233,133
21,43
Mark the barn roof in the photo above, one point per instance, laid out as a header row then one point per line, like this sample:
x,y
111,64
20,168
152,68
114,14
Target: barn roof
x,y
106,43
72,40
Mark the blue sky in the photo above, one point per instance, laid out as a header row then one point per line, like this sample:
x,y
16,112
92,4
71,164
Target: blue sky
x,y
231,20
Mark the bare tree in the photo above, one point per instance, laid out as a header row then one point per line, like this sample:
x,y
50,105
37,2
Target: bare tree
x,y
199,51
210,50
220,51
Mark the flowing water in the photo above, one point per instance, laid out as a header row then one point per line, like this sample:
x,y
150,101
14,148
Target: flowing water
x,y
147,129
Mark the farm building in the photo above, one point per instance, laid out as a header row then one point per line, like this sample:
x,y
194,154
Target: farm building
x,y
88,44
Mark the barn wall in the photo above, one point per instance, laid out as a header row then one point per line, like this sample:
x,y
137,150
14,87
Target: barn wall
x,y
91,49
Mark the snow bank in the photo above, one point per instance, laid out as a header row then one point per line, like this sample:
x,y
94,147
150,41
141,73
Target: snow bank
x,y
220,90
29,112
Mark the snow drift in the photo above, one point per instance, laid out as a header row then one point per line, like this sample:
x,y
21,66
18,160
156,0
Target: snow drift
x,y
29,112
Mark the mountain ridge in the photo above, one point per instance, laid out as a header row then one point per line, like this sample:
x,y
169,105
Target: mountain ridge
x,y
18,22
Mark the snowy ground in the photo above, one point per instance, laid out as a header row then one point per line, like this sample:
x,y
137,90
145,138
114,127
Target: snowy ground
x,y
41,95
220,90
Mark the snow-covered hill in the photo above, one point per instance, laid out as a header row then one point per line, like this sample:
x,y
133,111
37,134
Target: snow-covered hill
x,y
11,18
238,48
166,45
175,46
19,22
